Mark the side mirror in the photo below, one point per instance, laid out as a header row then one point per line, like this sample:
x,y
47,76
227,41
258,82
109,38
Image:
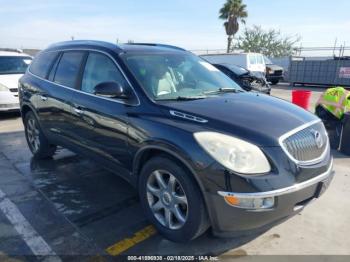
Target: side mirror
x,y
110,90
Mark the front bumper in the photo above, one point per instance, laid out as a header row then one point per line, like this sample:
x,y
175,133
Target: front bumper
x,y
229,220
274,77
8,102
9,107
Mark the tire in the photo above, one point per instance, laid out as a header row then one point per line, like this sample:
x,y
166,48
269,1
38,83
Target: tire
x,y
36,140
274,82
194,211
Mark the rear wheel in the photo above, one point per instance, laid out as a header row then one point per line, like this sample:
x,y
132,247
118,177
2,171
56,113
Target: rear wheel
x,y
172,200
37,142
274,82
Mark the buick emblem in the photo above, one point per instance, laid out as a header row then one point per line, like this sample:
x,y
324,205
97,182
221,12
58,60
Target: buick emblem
x,y
318,138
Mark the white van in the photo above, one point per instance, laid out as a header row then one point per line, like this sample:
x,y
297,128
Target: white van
x,y
254,62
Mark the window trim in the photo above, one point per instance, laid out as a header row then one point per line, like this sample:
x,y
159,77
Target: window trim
x,y
58,57
79,91
84,62
54,67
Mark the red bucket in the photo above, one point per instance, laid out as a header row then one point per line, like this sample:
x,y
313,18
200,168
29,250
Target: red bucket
x,y
301,98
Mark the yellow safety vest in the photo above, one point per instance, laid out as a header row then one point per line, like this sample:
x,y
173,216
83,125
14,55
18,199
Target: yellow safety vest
x,y
336,100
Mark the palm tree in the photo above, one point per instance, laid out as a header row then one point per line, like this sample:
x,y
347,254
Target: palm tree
x,y
233,11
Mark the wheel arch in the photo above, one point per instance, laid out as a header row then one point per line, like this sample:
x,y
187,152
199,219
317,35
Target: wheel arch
x,y
25,108
150,151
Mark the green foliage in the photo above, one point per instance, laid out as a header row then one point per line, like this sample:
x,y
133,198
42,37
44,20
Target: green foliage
x,y
270,43
235,8
233,12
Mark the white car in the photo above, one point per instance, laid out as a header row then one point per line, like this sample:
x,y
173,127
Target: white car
x,y
13,65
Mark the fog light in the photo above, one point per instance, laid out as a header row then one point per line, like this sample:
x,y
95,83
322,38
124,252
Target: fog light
x,y
250,203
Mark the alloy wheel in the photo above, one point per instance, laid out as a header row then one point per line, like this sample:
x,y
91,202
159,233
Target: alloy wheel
x,y
167,199
33,134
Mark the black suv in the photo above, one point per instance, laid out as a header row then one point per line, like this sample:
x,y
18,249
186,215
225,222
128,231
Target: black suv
x,y
200,151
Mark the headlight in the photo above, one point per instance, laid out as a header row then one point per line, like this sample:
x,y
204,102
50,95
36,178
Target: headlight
x,y
3,88
270,71
233,153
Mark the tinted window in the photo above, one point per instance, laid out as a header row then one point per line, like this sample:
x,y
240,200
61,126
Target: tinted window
x,y
42,63
14,64
68,68
99,68
252,59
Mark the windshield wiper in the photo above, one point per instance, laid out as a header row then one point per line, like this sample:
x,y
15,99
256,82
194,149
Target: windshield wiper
x,y
223,90
183,98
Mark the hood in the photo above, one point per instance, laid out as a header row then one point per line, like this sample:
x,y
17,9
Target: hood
x,y
257,118
11,80
274,67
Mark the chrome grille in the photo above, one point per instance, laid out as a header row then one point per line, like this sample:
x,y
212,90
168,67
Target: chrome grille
x,y
307,145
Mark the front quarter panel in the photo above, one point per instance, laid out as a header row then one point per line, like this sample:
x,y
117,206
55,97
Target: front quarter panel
x,y
171,136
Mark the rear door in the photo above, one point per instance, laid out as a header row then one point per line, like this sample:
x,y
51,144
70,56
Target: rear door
x,y
101,124
56,112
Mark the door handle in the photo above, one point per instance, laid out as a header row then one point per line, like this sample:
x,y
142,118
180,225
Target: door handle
x,y
43,98
78,110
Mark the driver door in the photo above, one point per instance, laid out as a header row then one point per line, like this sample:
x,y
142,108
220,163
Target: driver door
x,y
101,123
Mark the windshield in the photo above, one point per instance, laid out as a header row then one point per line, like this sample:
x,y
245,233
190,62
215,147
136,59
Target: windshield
x,y
170,76
267,61
14,64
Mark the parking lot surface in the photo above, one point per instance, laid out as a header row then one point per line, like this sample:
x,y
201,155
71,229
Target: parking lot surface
x,y
71,206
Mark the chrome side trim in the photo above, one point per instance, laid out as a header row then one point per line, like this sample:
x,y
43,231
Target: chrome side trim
x,y
296,130
282,191
79,91
187,116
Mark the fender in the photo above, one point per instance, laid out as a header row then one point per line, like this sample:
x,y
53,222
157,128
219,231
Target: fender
x,y
178,154
31,108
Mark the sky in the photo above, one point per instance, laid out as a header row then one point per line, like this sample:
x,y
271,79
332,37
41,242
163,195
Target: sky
x,y
192,24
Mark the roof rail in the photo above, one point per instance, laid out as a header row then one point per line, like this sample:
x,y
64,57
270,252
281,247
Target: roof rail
x,y
11,50
84,42
160,45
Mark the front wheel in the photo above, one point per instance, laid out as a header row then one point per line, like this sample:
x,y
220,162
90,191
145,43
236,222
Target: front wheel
x,y
172,200
37,142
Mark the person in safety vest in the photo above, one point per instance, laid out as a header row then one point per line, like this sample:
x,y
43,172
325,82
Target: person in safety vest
x,y
336,100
